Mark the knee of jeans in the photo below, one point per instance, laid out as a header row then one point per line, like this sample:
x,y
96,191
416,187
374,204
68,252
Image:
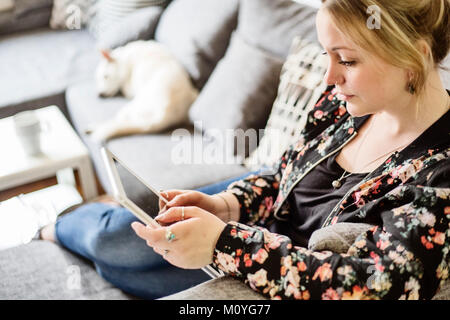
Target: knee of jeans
x,y
122,248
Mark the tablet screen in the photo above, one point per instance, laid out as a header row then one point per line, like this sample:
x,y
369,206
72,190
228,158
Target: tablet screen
x,y
141,195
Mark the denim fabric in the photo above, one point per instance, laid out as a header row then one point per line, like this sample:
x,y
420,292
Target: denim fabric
x,y
102,234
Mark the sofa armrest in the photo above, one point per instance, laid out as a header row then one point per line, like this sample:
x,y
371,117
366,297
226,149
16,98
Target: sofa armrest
x,y
25,15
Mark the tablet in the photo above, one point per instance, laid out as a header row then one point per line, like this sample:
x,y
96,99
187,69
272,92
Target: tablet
x,y
145,211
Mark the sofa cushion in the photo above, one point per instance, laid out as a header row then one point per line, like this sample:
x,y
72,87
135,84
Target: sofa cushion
x,y
25,15
265,28
110,12
272,24
154,157
198,32
139,25
44,62
239,94
224,288
301,85
43,270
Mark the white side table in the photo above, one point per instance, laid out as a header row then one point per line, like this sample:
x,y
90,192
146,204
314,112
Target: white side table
x,y
62,151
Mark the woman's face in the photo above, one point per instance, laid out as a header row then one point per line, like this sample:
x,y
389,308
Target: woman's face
x,y
369,84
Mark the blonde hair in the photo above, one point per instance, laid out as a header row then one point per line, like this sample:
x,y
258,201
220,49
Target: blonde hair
x,y
403,23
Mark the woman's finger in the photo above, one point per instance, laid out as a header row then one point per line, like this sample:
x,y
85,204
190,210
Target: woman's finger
x,y
140,229
160,237
162,203
168,195
184,199
176,214
151,235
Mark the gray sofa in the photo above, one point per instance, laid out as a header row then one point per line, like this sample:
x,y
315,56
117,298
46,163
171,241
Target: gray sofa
x,y
233,50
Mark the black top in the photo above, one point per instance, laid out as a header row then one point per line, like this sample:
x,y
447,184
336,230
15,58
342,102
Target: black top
x,y
312,200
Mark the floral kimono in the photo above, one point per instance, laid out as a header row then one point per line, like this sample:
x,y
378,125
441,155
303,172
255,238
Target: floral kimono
x,y
407,199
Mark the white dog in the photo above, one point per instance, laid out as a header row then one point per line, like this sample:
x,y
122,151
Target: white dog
x,y
160,89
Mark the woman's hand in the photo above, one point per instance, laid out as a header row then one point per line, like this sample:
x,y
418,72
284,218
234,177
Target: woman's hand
x,y
194,240
183,198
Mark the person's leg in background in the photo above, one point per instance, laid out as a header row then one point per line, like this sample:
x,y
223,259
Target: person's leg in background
x,y
102,233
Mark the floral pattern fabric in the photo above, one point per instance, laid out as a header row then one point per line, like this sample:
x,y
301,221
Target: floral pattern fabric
x,y
407,199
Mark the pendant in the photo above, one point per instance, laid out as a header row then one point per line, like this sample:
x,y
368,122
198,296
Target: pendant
x,y
336,184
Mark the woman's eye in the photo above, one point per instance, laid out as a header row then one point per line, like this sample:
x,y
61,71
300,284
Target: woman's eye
x,y
347,63
342,62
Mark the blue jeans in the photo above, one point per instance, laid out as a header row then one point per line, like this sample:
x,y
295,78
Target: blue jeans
x,y
102,234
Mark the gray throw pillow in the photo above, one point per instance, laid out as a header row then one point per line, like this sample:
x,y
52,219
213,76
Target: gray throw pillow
x,y
267,26
240,92
198,33
72,14
301,85
110,12
338,237
25,15
273,24
139,25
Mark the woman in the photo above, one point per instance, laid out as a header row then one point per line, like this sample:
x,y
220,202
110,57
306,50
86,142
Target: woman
x,y
375,150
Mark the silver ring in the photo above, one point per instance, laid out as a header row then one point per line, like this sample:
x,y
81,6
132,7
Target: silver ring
x,y
170,236
182,213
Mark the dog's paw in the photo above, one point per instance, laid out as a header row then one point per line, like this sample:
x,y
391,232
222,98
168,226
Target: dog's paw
x,y
95,134
91,128
98,136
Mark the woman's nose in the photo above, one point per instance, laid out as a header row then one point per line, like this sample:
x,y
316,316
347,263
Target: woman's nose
x,y
332,76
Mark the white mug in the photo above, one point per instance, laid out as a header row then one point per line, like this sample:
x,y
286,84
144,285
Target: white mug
x,y
28,129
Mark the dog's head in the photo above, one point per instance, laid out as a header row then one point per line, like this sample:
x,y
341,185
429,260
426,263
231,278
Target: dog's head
x,y
108,75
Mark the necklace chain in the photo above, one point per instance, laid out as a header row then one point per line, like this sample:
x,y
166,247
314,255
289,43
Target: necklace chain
x,y
347,174
337,183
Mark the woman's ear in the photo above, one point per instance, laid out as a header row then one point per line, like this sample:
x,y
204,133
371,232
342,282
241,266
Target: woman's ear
x,y
424,49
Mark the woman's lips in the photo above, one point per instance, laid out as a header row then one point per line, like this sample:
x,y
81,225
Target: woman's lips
x,y
344,97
